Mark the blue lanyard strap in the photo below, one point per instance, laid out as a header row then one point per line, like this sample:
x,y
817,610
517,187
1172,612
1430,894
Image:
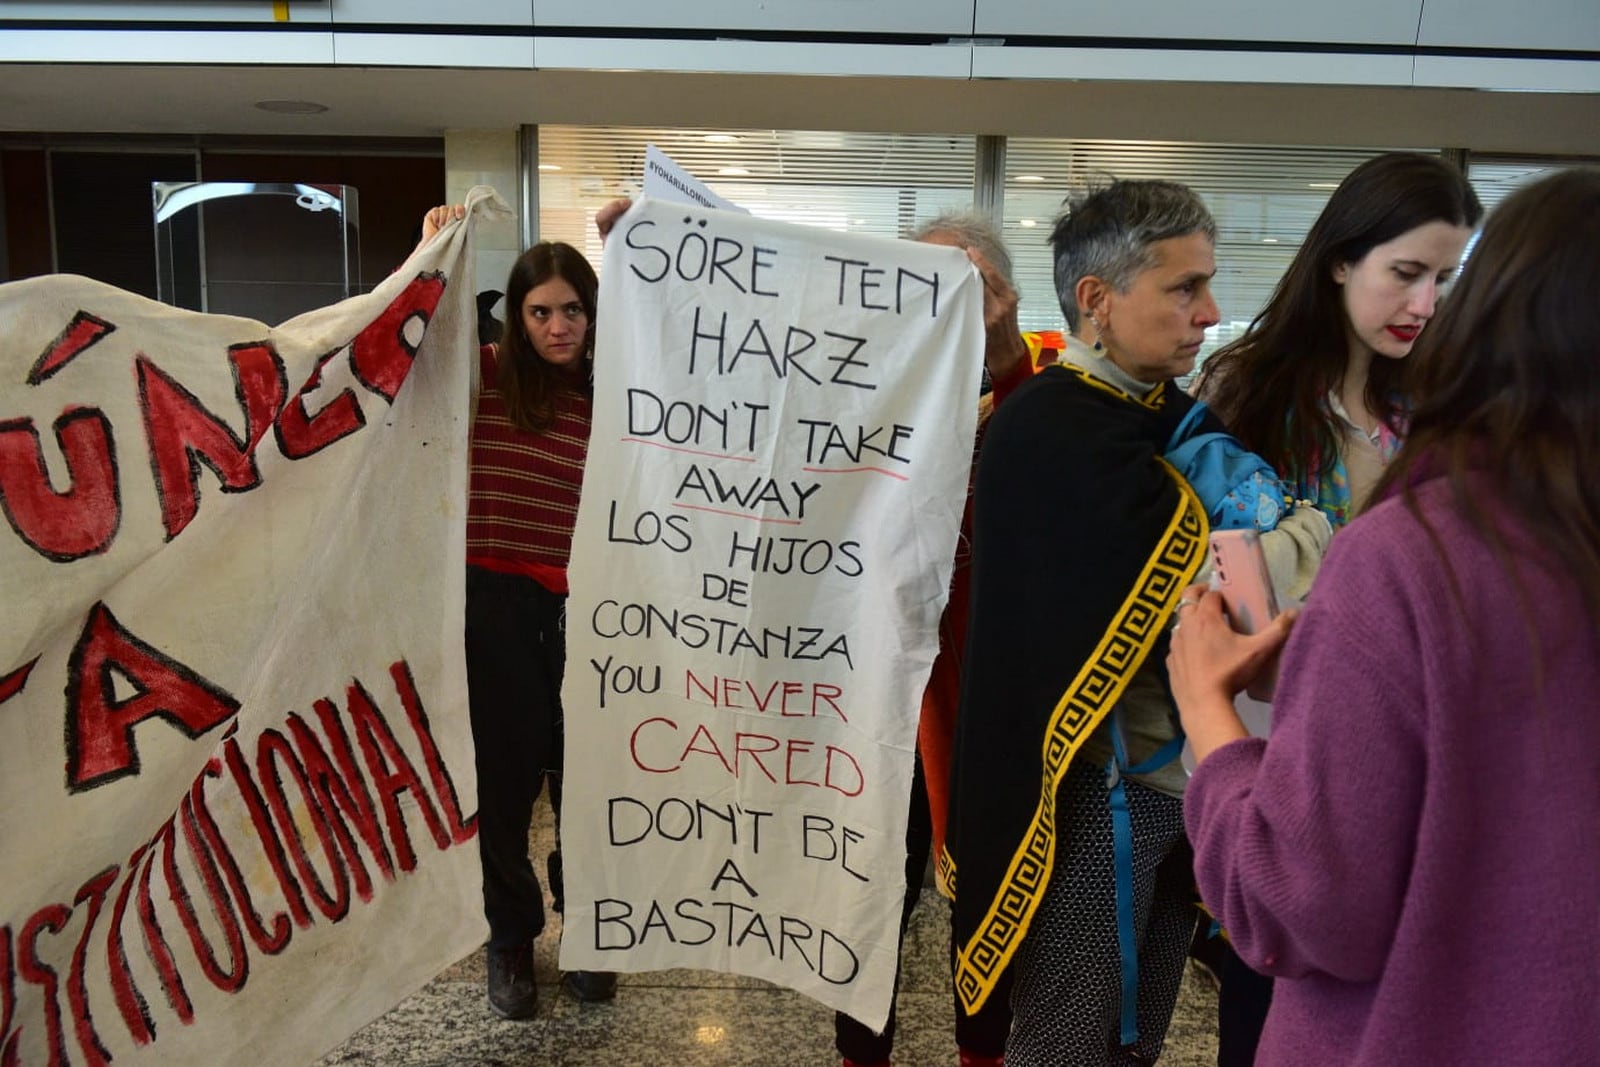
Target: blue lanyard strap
x,y
1122,846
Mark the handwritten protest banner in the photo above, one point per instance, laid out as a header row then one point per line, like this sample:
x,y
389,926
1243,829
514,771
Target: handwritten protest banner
x,y
783,424
236,776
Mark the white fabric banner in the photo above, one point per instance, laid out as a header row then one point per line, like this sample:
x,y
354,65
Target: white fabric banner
x,y
783,426
236,775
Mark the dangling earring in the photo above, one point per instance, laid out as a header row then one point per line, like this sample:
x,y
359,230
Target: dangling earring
x,y
1098,345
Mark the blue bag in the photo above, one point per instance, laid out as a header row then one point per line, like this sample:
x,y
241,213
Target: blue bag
x,y
1239,489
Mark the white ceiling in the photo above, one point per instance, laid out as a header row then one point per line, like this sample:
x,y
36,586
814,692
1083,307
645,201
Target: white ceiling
x,y
412,102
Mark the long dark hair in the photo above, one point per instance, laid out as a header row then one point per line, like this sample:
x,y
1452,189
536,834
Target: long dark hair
x,y
529,384
1506,379
1269,385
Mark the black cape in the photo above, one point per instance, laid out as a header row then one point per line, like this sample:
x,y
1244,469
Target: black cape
x,y
1084,539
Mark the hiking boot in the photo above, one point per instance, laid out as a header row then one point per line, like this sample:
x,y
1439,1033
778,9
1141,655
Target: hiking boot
x,y
591,987
513,994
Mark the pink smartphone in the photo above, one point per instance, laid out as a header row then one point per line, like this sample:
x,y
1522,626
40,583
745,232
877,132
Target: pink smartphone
x,y
1239,573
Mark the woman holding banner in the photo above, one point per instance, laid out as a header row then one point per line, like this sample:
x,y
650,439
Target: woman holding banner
x,y
530,437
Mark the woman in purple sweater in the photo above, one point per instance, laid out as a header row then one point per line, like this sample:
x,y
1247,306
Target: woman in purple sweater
x,y
1434,766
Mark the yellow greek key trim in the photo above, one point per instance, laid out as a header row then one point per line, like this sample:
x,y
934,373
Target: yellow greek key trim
x,y
1093,693
944,873
1155,399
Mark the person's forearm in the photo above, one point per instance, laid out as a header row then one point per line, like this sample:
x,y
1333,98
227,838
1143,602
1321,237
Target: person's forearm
x,y
1009,376
1003,355
1211,723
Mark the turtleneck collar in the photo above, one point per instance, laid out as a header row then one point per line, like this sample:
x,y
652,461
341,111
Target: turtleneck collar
x,y
1100,366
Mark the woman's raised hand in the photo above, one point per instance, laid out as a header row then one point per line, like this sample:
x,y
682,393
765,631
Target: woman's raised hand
x,y
437,218
607,216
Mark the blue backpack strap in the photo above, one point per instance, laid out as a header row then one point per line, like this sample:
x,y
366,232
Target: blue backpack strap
x,y
1122,849
1239,489
1187,426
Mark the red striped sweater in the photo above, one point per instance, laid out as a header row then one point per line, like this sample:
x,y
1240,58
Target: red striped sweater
x,y
523,497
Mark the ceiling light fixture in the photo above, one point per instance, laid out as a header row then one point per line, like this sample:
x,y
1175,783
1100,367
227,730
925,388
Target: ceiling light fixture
x,y
1030,177
733,172
549,166
720,138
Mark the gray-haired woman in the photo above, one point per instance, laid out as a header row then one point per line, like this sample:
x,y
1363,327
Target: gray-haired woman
x,y
1066,844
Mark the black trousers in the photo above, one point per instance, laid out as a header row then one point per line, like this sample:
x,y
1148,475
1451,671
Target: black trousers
x,y
983,1033
1242,1004
516,652
1068,970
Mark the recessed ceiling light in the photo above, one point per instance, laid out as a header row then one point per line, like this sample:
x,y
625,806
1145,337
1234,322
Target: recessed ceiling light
x,y
1269,240
733,172
549,166
1030,177
292,107
720,138
1322,185
1027,224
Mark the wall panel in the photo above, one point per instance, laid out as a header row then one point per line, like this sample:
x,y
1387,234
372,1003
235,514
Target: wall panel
x,y
1568,25
845,16
433,13
1389,22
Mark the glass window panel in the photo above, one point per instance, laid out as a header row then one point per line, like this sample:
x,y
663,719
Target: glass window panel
x,y
879,183
1495,178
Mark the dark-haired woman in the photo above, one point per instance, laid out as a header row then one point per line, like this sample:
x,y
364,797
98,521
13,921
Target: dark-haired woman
x,y
1314,384
1434,764
530,436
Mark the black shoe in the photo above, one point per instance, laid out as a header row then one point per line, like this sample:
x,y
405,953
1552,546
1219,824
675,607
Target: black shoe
x,y
591,986
513,994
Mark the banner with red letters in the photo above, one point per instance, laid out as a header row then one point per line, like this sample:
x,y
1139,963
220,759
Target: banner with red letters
x,y
782,436
236,776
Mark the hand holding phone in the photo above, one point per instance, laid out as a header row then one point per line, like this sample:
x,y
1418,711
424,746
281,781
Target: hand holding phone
x,y
1239,574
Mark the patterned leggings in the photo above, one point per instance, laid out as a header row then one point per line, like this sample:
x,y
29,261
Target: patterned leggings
x,y
1067,1000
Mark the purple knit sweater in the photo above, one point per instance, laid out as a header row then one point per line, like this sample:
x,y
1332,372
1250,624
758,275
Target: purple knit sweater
x,y
1416,851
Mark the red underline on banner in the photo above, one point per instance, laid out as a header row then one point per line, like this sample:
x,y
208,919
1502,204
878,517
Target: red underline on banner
x,y
691,451
855,470
738,514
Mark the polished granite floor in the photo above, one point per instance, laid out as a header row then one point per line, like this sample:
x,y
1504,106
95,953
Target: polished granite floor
x,y
673,1018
